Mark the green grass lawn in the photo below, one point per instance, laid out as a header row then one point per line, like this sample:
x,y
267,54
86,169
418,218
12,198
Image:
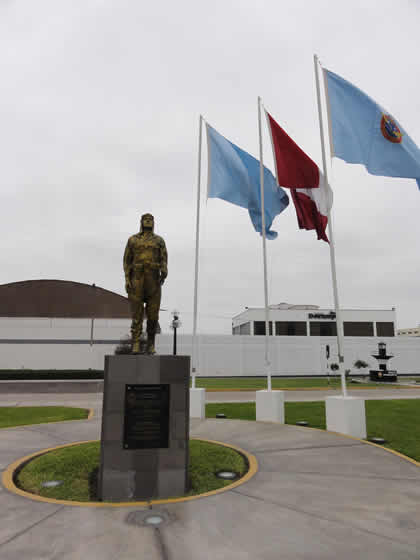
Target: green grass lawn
x,y
254,383
20,415
77,466
396,420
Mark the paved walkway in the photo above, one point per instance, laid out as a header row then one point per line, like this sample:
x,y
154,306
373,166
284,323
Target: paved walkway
x,y
316,496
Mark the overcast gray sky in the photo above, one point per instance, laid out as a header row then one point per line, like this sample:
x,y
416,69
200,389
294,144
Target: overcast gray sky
x,y
99,109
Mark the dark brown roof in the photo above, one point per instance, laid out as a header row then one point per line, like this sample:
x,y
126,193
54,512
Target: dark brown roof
x,y
60,298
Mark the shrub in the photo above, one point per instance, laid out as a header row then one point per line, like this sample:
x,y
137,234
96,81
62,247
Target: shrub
x,y
360,364
124,347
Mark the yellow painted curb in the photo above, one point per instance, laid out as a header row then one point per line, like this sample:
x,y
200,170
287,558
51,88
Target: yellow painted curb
x,y
89,417
9,473
251,390
356,387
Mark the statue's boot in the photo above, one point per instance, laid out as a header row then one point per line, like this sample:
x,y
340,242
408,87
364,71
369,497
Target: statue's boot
x,y
151,333
136,346
136,325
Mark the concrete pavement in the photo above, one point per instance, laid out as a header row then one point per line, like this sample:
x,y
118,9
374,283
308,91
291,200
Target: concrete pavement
x,y
315,496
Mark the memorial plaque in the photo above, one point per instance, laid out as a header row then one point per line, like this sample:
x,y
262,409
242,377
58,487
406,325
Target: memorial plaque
x,y
146,416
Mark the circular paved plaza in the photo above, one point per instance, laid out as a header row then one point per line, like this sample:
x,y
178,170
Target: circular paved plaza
x,y
316,495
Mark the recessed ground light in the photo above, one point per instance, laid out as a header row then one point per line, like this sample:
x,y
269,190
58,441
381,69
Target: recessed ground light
x,y
149,518
153,520
52,483
302,423
220,415
227,475
377,440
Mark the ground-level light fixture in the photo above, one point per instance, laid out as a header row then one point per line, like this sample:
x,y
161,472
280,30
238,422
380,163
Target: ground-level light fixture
x,y
302,423
227,475
378,440
52,483
150,518
153,520
220,415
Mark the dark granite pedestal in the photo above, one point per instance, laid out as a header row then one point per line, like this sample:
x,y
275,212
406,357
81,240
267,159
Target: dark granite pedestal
x,y
145,427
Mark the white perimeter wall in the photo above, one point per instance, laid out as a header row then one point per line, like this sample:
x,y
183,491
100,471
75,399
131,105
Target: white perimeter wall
x,y
64,344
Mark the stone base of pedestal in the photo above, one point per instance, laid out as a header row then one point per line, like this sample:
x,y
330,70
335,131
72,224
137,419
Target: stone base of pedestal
x,y
198,403
346,415
270,406
145,427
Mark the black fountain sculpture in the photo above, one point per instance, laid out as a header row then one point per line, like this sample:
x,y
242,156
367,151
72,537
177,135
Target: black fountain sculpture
x,y
383,374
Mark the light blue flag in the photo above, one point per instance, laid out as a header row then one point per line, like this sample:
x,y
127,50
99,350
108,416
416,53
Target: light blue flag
x,y
234,176
364,132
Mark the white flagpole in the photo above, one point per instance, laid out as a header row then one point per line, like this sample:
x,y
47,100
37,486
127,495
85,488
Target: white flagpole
x,y
194,357
267,333
340,341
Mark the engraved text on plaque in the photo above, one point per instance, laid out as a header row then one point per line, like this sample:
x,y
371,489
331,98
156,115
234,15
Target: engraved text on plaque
x,y
146,416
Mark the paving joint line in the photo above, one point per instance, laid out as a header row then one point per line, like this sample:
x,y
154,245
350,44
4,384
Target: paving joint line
x,y
43,432
20,533
307,447
356,477
161,543
324,518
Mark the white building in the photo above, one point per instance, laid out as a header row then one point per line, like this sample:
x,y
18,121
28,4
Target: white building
x,y
409,332
54,324
311,321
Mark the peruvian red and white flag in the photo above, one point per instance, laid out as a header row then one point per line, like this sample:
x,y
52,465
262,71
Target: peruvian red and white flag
x,y
311,194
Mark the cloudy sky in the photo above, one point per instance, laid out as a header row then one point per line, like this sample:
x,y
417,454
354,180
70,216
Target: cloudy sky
x,y
99,109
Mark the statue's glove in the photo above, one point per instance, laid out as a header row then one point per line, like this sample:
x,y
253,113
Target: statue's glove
x,y
163,276
127,285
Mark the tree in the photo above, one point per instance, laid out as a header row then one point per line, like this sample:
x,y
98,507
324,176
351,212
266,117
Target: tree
x,y
124,347
360,364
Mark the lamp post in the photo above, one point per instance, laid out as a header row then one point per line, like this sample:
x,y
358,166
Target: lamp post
x,y
176,323
327,357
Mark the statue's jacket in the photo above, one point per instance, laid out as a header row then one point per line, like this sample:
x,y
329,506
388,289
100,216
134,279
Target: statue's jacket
x,y
145,262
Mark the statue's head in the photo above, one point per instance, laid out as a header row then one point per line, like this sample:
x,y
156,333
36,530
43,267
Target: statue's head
x,y
147,223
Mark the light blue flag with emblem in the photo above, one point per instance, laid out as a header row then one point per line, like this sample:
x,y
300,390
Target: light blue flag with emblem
x,y
363,132
234,176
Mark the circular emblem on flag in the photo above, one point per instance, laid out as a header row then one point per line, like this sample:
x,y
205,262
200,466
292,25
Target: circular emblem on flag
x,y
390,129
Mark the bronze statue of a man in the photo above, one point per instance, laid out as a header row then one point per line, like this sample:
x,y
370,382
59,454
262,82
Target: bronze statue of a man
x,y
145,268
